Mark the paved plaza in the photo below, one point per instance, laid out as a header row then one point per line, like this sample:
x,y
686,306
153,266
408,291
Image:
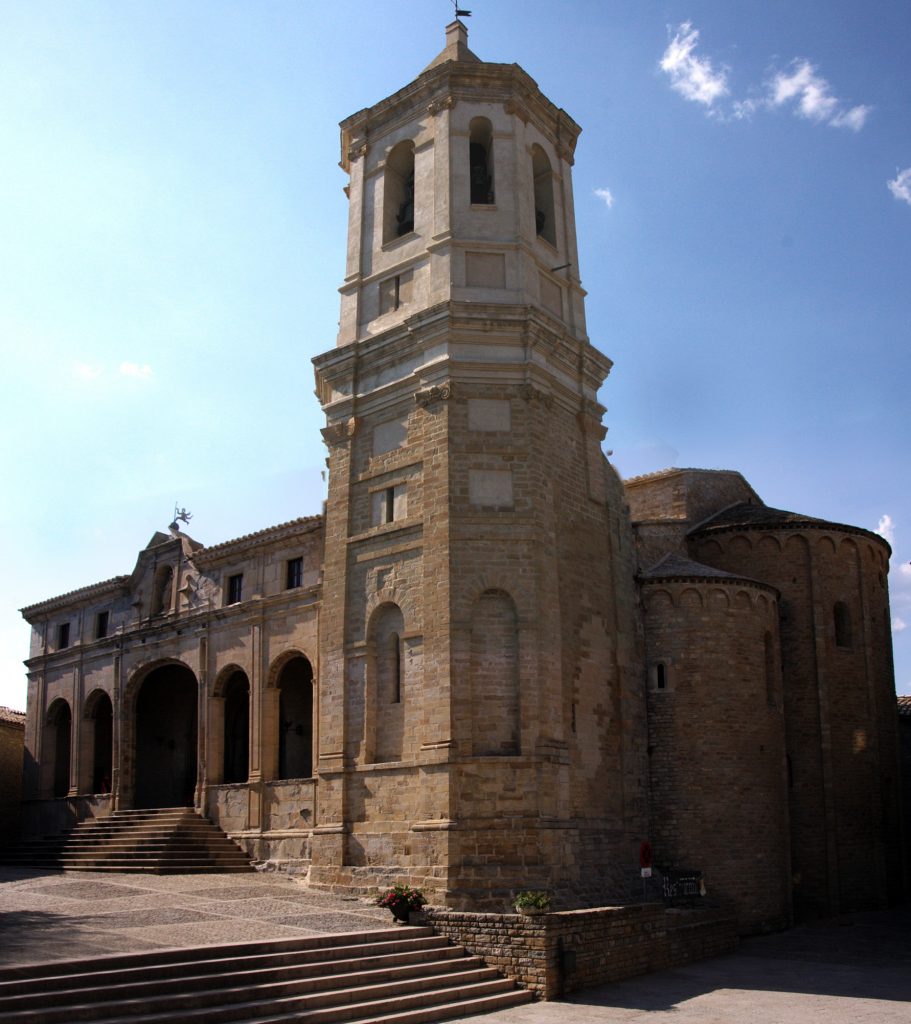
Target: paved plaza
x,y
853,970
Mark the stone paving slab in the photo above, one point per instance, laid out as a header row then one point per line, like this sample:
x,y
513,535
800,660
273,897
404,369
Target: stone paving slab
x,y
852,970
52,915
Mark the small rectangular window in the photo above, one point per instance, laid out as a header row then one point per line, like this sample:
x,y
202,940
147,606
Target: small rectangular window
x,y
235,588
63,635
294,577
101,625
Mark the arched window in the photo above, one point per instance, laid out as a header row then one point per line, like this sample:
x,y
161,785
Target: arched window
x,y
842,624
545,222
57,738
295,711
398,192
237,728
161,593
495,712
480,161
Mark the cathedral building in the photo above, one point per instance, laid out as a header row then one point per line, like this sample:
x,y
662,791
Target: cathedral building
x,y
490,664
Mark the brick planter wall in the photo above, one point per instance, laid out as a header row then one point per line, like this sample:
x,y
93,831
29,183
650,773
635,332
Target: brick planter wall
x,y
555,954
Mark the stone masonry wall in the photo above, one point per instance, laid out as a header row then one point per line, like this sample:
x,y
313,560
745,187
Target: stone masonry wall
x,y
716,743
839,707
555,954
12,742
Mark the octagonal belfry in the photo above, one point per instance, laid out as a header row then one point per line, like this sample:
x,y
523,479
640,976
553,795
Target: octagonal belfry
x,y
481,718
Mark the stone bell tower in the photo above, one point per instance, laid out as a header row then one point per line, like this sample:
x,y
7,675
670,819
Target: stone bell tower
x,y
481,719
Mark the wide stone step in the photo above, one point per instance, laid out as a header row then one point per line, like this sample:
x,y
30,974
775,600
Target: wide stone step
x,y
269,968
389,976
306,993
240,954
167,841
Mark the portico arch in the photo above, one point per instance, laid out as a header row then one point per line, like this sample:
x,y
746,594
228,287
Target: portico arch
x,y
292,678
96,746
165,737
57,743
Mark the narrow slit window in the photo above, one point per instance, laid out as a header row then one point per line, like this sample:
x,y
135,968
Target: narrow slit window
x,y
842,625
102,621
63,636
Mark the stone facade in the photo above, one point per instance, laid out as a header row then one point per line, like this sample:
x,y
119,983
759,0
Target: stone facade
x,y
490,664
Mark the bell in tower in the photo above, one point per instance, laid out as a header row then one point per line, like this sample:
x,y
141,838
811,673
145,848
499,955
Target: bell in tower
x,y
479,701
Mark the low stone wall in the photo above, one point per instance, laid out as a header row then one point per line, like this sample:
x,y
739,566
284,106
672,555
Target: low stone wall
x,y
555,954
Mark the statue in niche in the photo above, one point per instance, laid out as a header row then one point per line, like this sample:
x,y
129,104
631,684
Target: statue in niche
x,y
405,217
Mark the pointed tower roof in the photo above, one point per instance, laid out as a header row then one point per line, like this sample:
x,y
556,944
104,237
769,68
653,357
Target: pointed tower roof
x,y
456,47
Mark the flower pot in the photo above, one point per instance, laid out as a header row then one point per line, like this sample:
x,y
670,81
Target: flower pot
x,y
531,911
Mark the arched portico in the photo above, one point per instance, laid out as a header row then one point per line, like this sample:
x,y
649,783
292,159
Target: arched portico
x,y
164,733
290,743
97,744
57,744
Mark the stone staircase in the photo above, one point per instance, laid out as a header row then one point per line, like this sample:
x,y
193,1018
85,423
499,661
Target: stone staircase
x,y
170,840
393,976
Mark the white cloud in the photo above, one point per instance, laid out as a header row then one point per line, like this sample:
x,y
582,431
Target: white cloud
x,y
898,624
606,195
86,371
900,186
128,369
853,118
905,569
693,77
801,86
813,97
886,528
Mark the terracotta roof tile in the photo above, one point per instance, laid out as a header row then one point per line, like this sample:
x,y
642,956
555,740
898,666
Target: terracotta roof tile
x,y
747,516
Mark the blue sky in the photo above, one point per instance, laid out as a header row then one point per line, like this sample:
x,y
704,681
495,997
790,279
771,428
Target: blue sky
x,y
173,230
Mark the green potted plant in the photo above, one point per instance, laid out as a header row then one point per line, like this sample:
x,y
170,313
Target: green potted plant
x,y
532,901
401,900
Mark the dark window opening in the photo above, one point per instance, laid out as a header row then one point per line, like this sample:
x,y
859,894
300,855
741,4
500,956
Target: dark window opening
x,y
545,226
101,625
660,677
294,576
480,161
398,192
235,588
389,505
63,635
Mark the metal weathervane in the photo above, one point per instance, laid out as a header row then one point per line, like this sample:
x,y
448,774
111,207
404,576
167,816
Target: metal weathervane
x,y
459,13
181,515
